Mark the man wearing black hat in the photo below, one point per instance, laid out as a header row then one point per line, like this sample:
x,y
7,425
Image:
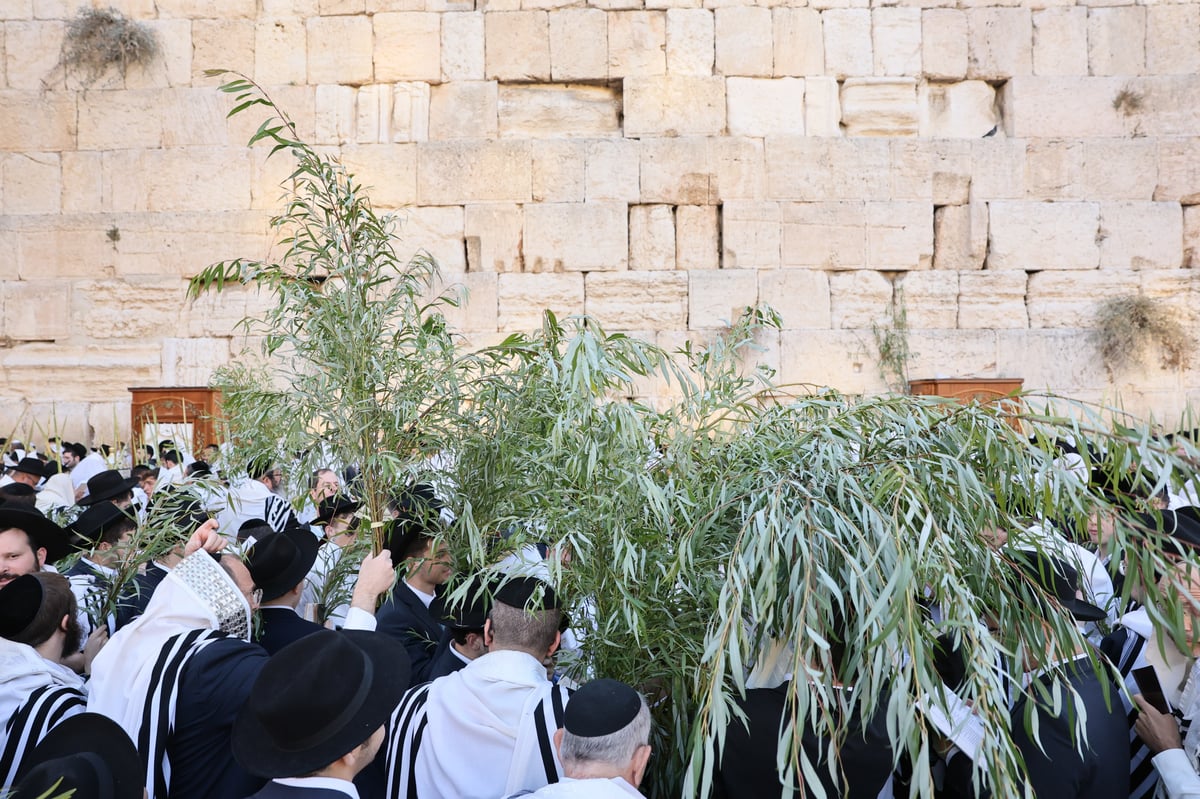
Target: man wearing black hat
x,y
109,485
257,496
104,531
87,754
29,471
28,541
485,730
279,562
315,715
337,514
465,620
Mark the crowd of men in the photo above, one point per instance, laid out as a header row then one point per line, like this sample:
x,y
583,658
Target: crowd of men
x,y
258,653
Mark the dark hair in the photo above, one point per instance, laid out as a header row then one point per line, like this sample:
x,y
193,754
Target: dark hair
x,y
79,450
15,494
112,533
260,466
57,601
459,634
198,468
171,455
141,470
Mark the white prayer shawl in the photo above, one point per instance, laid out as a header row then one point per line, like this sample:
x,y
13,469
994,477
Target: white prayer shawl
x,y
1095,581
86,469
56,493
35,695
615,788
251,499
482,732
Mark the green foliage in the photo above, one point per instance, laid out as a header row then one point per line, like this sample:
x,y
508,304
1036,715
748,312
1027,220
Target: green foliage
x,y
891,342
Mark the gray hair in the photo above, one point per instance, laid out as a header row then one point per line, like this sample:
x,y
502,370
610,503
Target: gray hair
x,y
614,749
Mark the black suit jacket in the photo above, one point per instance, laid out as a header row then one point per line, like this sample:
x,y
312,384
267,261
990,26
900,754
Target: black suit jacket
x,y
282,626
444,660
273,790
133,603
405,617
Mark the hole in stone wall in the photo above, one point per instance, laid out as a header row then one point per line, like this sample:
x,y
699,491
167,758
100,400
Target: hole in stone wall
x,y
720,235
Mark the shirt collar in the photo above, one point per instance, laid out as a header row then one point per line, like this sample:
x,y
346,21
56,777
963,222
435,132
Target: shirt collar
x,y
326,783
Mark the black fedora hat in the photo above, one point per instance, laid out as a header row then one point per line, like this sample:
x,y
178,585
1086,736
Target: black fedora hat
x,y
20,601
41,531
279,561
106,485
317,699
1060,580
88,753
472,611
32,466
418,517
91,524
336,506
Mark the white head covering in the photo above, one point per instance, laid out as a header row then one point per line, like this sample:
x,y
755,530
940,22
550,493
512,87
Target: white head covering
x,y
56,492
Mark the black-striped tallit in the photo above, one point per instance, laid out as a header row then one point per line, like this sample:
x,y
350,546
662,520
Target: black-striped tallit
x,y
44,708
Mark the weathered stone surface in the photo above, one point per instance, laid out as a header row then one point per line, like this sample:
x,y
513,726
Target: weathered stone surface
x,y
578,44
1178,171
94,372
674,105
952,352
879,106
437,231
997,169
662,299
280,51
822,107
677,170
410,112
739,168
553,111
992,300
104,309
1063,107
741,33
341,49
456,172
1136,235
1060,41
32,51
944,43
1000,43
834,358
957,110
462,46
930,299
576,237
800,296
1053,169
910,172
824,235
1172,46
765,106
696,236
408,46
799,45
1115,169
389,171
848,42
191,361
960,236
81,186
1178,289
950,181
493,233
1057,299
37,310
1031,235
691,47
148,180
716,298
517,45
1162,105
896,41
750,235
611,171
651,237
32,183
117,120
899,235
1117,40
478,308
558,171
523,298
637,43
37,120
827,168
859,299
173,67
464,110
1191,236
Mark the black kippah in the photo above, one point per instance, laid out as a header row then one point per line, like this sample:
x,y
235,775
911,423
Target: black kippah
x,y
520,591
20,601
601,707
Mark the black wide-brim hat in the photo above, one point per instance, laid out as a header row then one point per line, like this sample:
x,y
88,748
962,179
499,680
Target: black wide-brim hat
x,y
91,524
106,485
88,752
43,532
317,699
32,466
279,562
1059,579
336,506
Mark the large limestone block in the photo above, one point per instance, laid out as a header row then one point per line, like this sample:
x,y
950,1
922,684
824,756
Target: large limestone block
x,y
993,300
739,168
825,235
517,45
896,41
1178,289
341,50
178,179
558,111
1191,236
1060,41
190,362
1052,236
410,110
899,235
119,120
1138,235
161,244
612,170
437,231
741,33
848,42
103,309
336,114
1119,169
1000,43
1053,169
674,105
951,172
960,236
578,44
493,233
559,171
576,237
637,300
203,9
800,296
651,237
464,110
1063,107
859,299
1172,46
408,46
799,46
198,116
280,51
696,235
1167,105
911,169
716,298
387,171
462,46
837,359
1058,299
32,51
944,43
953,352
637,43
81,187
173,67
523,297
677,170
478,309
455,172
690,42
956,110
215,313
997,169
37,310
89,372
765,106
800,167
879,106
822,107
750,235
1178,171
930,299
1117,40
32,183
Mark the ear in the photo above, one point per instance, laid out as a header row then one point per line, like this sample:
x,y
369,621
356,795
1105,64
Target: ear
x,y
487,634
640,758
558,736
65,624
41,558
554,646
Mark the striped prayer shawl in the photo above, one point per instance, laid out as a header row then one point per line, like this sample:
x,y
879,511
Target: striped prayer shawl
x,y
44,708
1143,778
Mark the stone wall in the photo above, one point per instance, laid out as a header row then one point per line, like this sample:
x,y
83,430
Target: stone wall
x,y
654,163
